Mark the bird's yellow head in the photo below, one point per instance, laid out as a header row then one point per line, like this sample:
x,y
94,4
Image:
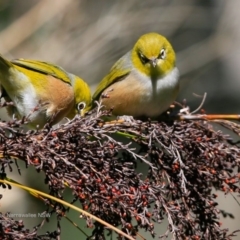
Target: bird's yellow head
x,y
83,98
153,55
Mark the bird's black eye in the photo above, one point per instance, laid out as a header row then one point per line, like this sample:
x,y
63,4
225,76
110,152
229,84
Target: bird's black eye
x,y
81,106
162,54
144,60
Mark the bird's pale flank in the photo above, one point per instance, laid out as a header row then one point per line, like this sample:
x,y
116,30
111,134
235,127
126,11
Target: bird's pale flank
x,y
42,92
144,82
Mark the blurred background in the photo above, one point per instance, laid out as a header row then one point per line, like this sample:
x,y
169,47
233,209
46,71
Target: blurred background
x,y
86,37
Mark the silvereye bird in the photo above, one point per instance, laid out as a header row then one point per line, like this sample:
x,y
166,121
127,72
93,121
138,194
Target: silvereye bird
x,y
144,82
41,91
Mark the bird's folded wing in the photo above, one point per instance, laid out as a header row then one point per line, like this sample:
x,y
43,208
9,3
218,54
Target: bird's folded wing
x,y
44,68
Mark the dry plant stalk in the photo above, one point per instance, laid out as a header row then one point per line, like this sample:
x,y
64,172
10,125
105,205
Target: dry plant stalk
x,y
185,161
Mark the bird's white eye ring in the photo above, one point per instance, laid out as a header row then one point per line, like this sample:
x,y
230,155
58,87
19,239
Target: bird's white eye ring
x,y
162,54
144,60
81,106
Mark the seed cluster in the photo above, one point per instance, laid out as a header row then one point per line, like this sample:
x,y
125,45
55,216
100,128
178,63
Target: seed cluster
x,y
100,163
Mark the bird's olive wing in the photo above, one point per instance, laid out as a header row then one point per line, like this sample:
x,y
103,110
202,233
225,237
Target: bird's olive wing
x,y
119,70
44,68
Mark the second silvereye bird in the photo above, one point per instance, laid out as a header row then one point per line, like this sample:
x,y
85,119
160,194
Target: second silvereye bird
x,y
144,82
42,92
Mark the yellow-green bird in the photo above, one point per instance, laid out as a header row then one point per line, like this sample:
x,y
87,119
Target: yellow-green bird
x,y
42,91
144,82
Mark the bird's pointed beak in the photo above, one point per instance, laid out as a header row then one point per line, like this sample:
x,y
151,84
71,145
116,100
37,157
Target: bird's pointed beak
x,y
153,62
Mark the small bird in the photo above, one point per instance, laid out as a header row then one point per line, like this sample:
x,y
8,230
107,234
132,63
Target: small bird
x,y
142,83
42,92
